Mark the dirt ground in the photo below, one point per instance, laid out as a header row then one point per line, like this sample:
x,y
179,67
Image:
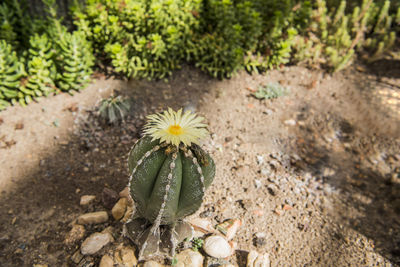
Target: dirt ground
x,y
316,173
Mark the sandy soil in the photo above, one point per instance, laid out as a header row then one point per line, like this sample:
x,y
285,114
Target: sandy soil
x,y
316,172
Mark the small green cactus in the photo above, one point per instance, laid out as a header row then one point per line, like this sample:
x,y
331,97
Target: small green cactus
x,y
169,171
114,109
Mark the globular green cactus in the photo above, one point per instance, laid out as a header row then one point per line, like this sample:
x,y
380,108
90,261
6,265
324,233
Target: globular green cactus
x,y
169,172
168,184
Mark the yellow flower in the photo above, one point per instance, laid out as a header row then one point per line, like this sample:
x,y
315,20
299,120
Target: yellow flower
x,y
173,127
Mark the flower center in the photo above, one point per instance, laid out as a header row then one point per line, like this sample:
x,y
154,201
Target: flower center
x,y
175,129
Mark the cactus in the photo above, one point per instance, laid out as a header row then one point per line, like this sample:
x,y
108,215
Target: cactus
x,y
169,174
114,109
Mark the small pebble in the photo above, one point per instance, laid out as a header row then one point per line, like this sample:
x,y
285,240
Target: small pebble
x,y
125,256
254,259
77,233
77,257
217,247
95,242
229,228
86,200
290,122
189,258
93,218
119,208
106,261
152,264
202,225
260,159
259,240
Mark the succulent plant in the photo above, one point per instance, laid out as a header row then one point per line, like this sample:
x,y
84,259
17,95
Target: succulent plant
x,y
114,109
169,175
11,73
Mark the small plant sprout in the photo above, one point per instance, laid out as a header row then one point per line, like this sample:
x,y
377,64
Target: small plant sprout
x,y
114,109
271,90
197,243
169,174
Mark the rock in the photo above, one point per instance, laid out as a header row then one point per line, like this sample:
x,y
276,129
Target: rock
x,y
93,218
152,264
189,258
109,197
77,233
260,159
106,261
77,257
262,261
125,256
126,194
128,213
202,225
328,172
259,240
229,228
290,122
257,183
227,265
217,247
40,265
86,200
251,258
119,208
95,242
256,260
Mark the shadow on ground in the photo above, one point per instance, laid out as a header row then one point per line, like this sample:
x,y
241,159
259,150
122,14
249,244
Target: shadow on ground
x,y
364,169
37,213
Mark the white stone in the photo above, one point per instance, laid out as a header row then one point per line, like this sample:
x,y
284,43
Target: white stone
x,y
254,259
217,247
251,258
260,159
95,242
93,218
262,261
86,200
152,264
202,225
290,122
189,258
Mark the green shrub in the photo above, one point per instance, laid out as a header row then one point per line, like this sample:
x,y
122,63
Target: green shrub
x,y
41,67
334,36
11,73
74,62
229,29
143,39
